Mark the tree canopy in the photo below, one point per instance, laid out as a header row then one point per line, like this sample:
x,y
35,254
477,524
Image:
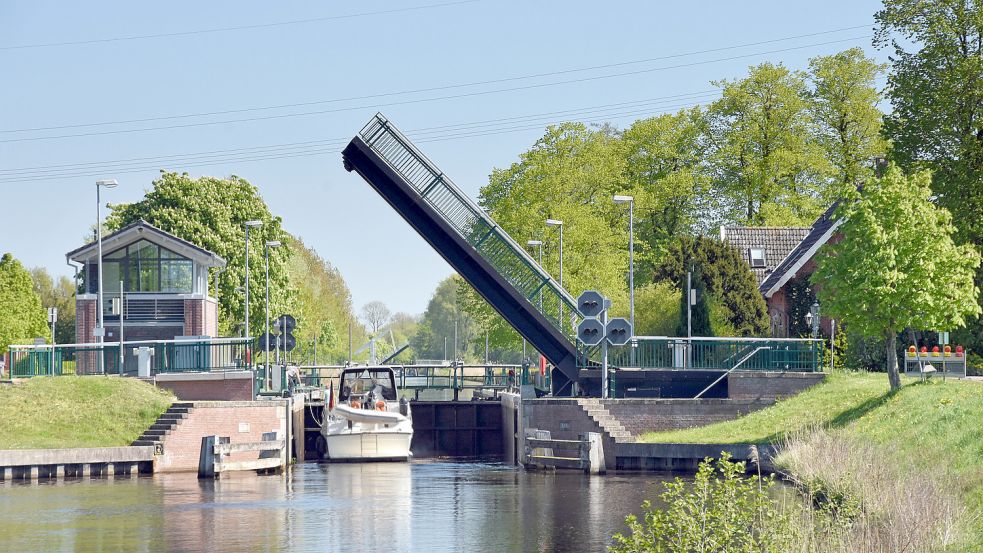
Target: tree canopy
x,y
897,265
22,317
727,277
211,212
58,293
935,85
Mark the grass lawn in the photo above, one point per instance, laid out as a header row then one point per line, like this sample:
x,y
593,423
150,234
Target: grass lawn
x,y
77,411
842,398
932,425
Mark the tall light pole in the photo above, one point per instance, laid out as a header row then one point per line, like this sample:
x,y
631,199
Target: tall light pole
x,y
266,258
101,330
559,224
249,224
631,253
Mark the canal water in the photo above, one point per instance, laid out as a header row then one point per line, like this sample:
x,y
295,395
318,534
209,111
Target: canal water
x,y
421,506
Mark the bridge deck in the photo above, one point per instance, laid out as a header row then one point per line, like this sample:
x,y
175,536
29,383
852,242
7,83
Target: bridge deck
x,y
464,235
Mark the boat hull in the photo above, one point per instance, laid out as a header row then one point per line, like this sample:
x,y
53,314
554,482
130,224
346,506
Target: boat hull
x,y
369,446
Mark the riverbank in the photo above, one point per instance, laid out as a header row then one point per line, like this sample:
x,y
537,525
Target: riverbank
x,y
77,411
929,429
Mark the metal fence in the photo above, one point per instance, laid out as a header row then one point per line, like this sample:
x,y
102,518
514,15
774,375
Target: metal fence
x,y
166,356
660,352
472,223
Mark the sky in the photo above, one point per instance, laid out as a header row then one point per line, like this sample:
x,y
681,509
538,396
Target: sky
x,y
272,91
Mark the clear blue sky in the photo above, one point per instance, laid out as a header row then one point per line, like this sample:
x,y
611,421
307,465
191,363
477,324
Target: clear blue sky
x,y
92,80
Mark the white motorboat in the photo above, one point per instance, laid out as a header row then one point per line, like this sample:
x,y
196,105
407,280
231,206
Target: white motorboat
x,y
370,422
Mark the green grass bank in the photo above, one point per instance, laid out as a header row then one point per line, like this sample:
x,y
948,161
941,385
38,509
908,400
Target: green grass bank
x,y
77,411
933,426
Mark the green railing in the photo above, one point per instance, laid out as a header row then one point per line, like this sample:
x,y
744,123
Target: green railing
x,y
781,354
169,356
472,223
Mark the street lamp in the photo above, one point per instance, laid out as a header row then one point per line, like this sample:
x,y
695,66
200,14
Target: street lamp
x,y
812,319
559,224
101,331
631,253
248,224
266,258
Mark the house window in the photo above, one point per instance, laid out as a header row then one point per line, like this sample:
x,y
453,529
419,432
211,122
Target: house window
x,y
757,257
144,267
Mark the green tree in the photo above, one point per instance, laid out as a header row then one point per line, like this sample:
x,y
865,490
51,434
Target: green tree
x,y
847,123
59,294
766,167
322,305
570,174
211,212
897,266
664,175
22,316
696,319
936,90
438,321
727,278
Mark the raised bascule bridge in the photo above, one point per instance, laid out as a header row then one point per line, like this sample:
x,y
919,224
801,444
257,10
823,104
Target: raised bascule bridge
x,y
532,301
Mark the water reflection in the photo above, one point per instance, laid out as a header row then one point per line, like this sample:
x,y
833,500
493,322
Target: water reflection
x,y
421,506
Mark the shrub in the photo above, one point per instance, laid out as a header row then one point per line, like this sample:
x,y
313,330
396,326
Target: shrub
x,y
721,510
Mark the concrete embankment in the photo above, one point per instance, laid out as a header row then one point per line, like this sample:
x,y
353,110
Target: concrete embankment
x,y
24,464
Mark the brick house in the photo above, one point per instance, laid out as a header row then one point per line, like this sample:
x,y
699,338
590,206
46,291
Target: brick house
x,y
778,255
165,286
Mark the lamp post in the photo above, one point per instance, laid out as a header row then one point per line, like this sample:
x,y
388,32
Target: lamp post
x,y
812,319
101,330
559,224
248,224
266,258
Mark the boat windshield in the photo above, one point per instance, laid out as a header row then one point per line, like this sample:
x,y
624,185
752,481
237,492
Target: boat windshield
x,y
357,383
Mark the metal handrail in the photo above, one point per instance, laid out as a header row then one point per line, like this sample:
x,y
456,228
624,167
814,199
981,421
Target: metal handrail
x,y
732,369
424,176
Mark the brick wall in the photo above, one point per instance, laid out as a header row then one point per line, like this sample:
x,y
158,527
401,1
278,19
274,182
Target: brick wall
x,y
241,421
646,415
565,420
195,388
194,318
211,318
769,385
85,320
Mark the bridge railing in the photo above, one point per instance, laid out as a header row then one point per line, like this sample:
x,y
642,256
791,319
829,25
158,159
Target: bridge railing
x,y
661,352
471,222
169,356
426,377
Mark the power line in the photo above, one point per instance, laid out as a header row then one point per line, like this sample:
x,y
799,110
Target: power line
x,y
431,99
588,110
431,89
314,151
229,29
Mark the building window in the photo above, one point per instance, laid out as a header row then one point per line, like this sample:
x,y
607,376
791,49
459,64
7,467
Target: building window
x,y
143,267
757,257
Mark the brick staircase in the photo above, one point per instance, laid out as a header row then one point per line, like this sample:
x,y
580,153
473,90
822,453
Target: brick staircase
x,y
177,412
610,425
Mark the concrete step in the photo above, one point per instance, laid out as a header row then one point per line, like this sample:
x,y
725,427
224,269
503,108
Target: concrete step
x,y
163,425
151,432
172,417
141,441
177,410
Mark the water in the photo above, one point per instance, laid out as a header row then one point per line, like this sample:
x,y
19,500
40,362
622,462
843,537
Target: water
x,y
421,506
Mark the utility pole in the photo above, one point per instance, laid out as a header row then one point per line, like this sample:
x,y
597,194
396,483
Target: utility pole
x,y
689,319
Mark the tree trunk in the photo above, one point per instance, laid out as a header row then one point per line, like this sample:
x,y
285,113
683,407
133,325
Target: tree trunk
x,y
892,360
